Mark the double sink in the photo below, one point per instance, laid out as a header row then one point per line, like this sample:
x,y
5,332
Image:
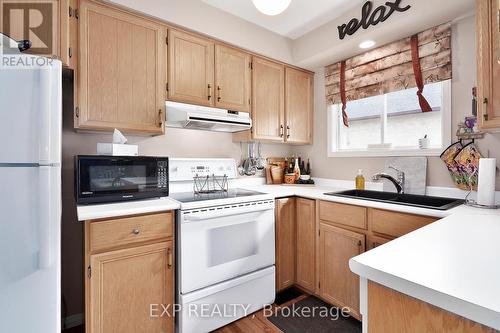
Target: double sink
x,y
422,201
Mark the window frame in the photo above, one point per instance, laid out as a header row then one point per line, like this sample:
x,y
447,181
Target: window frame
x,y
334,111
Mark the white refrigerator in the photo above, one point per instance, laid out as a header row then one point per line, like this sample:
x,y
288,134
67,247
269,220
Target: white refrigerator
x,y
30,196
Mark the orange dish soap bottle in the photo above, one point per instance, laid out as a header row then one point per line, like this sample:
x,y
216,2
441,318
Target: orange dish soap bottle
x,y
360,180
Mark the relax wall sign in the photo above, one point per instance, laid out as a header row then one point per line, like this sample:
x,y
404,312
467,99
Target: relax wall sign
x,y
371,17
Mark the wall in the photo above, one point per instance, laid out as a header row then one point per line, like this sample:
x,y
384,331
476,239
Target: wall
x,y
464,78
322,46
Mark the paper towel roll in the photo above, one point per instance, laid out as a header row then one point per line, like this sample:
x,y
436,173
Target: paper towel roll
x,y
486,182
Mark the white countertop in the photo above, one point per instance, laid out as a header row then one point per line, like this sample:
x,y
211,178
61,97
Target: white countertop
x,y
102,211
453,264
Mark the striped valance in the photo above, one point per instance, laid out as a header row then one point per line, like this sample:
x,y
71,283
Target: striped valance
x,y
390,67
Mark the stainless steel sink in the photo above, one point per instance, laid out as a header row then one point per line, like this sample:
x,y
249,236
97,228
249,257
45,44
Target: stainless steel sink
x,y
414,200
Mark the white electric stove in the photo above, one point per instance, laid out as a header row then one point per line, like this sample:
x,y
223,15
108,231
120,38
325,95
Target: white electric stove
x,y
226,247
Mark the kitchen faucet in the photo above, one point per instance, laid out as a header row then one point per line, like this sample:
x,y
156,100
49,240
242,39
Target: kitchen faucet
x,y
399,183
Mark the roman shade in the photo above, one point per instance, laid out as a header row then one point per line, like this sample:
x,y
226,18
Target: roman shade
x,y
392,67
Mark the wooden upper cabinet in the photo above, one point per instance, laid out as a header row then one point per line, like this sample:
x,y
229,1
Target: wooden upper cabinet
x,y
488,63
122,71
190,69
338,285
285,243
298,106
232,79
123,285
306,245
268,96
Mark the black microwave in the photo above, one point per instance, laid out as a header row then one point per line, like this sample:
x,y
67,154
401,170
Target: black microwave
x,y
101,179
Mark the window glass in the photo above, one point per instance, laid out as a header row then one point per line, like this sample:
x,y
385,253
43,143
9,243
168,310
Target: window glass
x,y
393,120
406,123
364,123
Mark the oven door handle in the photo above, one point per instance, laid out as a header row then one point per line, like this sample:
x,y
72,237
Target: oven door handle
x,y
195,217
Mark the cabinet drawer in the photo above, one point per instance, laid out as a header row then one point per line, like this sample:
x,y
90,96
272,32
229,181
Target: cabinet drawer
x,y
396,224
129,230
349,215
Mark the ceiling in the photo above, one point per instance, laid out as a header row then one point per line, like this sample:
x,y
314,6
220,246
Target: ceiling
x,y
300,17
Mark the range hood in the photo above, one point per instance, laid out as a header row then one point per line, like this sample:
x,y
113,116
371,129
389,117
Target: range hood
x,y
206,118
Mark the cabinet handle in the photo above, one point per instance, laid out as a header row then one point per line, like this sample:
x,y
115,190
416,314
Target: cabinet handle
x,y
360,243
375,244
281,131
209,91
218,93
288,132
160,113
169,258
136,231
485,114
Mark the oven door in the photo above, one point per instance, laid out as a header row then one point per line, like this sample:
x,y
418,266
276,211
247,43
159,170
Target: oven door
x,y
108,178
220,243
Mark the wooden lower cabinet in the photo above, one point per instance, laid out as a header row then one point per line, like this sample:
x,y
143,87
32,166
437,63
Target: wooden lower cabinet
x,y
337,284
305,276
392,312
374,241
285,243
127,283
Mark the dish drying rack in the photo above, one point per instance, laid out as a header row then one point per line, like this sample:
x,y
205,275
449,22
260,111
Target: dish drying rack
x,y
210,184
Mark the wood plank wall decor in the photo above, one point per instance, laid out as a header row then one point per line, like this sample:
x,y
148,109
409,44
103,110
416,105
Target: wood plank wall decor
x,y
389,68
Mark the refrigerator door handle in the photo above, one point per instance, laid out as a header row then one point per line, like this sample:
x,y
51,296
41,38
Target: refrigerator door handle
x,y
44,209
45,113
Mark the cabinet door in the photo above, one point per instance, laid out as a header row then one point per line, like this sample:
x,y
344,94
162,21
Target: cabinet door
x,y
285,243
298,106
338,285
43,15
190,68
69,32
122,75
125,283
232,79
375,241
268,94
306,245
488,62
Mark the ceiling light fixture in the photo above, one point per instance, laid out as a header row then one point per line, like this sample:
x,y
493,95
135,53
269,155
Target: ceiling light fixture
x,y
367,44
271,7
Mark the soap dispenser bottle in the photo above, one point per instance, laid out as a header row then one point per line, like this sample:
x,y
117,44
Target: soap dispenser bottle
x,y
360,180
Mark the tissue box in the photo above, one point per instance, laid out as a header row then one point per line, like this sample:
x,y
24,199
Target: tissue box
x,y
117,149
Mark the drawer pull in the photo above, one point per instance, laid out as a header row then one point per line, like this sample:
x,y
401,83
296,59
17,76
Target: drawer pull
x,y
136,231
169,258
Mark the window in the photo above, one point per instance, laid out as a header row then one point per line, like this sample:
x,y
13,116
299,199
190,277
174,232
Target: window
x,y
392,124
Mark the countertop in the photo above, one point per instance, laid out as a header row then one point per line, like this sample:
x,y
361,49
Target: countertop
x,y
453,264
100,211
